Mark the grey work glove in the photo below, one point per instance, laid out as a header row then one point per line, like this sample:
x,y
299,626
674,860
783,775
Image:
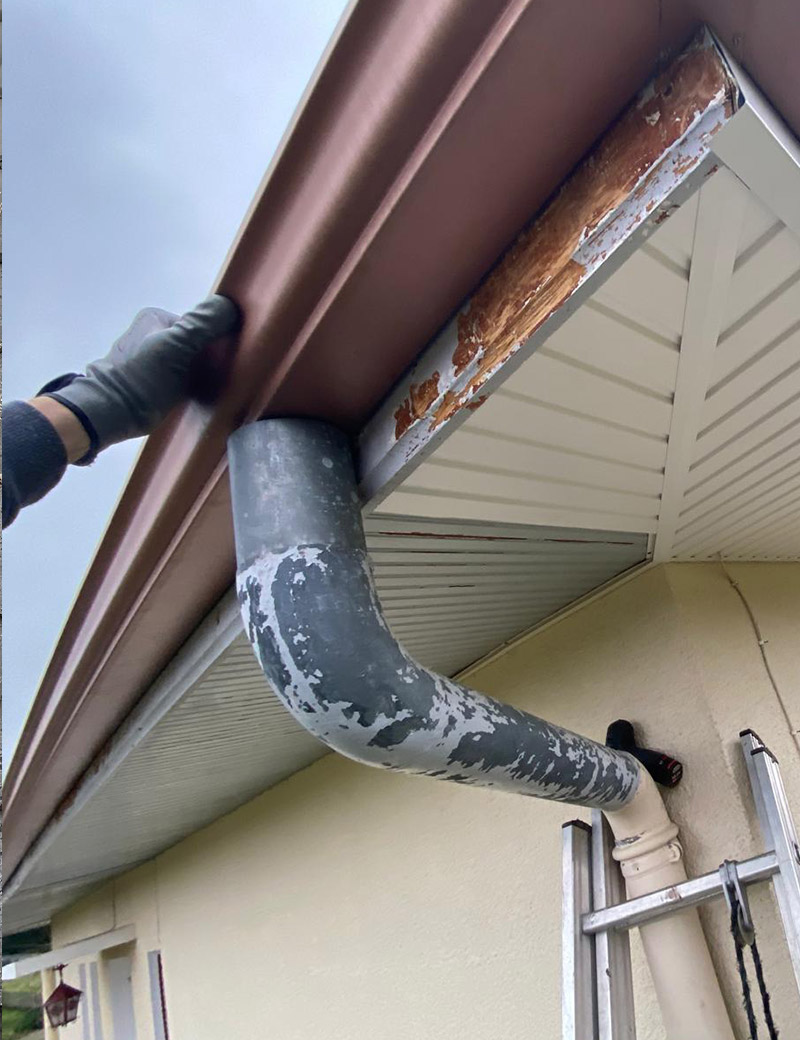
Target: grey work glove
x,y
146,373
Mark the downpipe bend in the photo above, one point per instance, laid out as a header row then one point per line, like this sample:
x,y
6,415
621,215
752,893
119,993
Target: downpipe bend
x,y
312,615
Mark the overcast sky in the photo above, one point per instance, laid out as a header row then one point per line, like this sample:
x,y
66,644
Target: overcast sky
x,y
135,134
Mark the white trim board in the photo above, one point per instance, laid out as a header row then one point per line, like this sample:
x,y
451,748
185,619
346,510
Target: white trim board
x,y
761,150
719,221
71,952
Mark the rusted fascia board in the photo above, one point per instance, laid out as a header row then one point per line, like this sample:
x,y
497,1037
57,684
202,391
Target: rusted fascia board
x,y
646,165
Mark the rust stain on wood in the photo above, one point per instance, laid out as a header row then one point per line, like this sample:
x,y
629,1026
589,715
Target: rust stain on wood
x,y
452,536
467,346
665,214
420,397
539,273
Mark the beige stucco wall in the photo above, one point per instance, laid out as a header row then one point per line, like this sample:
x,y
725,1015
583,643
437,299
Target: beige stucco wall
x,y
129,899
349,902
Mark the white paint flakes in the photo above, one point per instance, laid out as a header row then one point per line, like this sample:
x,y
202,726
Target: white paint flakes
x,y
452,715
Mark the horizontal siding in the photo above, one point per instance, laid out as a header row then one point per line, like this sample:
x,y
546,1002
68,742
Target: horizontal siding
x,y
630,289
555,380
757,222
760,350
742,498
601,337
753,278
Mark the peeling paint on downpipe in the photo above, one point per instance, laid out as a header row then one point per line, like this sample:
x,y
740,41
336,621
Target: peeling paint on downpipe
x,y
311,612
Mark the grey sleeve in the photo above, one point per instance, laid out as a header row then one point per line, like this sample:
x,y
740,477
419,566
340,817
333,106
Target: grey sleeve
x,y
34,458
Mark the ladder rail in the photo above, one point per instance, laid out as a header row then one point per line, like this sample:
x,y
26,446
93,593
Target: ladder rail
x,y
779,833
665,901
613,975
578,979
597,989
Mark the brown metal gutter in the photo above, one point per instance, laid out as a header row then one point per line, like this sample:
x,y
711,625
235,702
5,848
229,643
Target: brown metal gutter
x,y
433,132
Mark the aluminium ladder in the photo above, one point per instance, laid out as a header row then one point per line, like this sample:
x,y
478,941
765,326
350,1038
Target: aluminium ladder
x,y
597,988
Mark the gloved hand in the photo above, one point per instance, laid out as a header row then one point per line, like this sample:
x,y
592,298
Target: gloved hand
x,y
146,372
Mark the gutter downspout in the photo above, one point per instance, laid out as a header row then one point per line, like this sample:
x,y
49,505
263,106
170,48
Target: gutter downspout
x,y
312,614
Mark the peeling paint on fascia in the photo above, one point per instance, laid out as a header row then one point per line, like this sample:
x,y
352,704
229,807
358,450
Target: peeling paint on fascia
x,y
420,397
662,137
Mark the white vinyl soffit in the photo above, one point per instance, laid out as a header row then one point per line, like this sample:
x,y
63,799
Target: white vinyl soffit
x,y
669,403
211,734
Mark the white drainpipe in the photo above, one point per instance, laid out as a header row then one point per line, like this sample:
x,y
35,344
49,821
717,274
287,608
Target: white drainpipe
x,y
651,858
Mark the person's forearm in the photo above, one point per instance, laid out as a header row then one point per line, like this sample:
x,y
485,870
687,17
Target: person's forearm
x,y
68,427
34,457
148,372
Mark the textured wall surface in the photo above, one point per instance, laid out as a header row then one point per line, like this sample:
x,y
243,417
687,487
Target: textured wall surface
x,y
130,899
349,902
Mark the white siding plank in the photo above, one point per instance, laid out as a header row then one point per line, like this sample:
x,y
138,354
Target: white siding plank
x,y
471,445
447,554
751,458
766,327
630,289
440,477
525,578
568,429
758,274
552,381
775,521
745,442
782,539
749,519
734,500
763,402
428,505
596,337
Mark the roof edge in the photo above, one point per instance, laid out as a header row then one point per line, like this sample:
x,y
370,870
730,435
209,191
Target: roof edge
x,y
337,163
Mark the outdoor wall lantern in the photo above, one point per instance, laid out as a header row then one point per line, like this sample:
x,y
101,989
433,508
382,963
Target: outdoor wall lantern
x,y
62,1004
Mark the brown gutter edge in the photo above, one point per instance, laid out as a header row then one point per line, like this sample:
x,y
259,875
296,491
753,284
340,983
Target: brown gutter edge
x,y
434,130
167,556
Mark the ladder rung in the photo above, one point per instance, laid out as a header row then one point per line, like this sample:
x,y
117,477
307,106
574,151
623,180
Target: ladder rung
x,y
679,897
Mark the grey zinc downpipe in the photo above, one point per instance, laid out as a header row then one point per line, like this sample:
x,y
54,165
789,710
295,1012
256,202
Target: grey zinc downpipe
x,y
311,612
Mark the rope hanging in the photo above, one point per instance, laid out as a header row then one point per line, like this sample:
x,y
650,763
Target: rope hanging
x,y
747,997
